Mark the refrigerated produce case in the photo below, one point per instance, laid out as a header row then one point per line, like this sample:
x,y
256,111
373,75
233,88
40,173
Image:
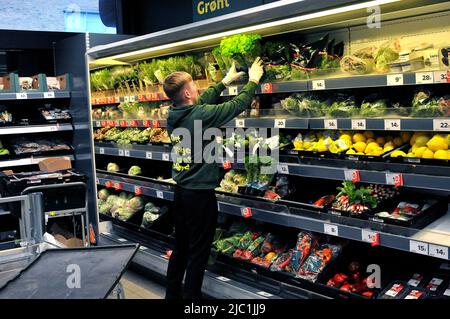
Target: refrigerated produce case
x,y
368,87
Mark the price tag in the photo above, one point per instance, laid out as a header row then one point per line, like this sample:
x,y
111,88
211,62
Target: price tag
x,y
418,247
318,85
441,76
121,152
330,124
438,251
233,90
280,123
224,279
331,229
104,124
98,124
133,123
49,95
267,88
160,194
126,99
394,79
264,294
109,184
21,96
166,157
148,155
352,175
394,179
246,212
122,240
137,190
370,237
54,128
155,124
283,169
118,186
392,125
132,99
168,253
240,123
146,123
123,123
424,78
227,165
441,125
127,153
359,124
112,123
102,150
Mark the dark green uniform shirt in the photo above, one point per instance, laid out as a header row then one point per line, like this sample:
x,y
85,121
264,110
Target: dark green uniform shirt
x,y
192,175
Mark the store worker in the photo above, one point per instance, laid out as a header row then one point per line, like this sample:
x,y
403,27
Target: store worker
x,y
195,205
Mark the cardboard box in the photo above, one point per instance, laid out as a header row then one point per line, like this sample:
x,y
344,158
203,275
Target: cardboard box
x,y
55,164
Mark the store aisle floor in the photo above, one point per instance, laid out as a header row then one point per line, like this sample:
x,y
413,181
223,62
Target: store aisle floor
x,y
137,286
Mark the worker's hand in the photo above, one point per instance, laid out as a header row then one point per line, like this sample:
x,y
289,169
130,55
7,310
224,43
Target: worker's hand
x,y
256,71
232,75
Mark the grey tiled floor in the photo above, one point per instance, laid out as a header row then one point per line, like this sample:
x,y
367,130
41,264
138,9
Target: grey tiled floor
x,y
139,287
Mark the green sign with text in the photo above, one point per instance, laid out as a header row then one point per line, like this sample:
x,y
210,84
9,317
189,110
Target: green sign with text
x,y
205,9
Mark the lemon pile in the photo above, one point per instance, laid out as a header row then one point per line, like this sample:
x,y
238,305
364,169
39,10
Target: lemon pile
x,y
349,142
423,145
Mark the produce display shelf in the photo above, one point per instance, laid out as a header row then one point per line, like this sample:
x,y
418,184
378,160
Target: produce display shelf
x,y
349,82
214,285
65,213
288,215
130,123
11,130
153,152
29,161
34,96
136,186
151,97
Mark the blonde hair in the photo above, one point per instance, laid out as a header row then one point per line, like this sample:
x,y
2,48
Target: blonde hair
x,y
174,83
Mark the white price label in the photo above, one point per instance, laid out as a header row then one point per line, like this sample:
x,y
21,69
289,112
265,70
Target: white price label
x,y
233,90
121,152
240,123
359,124
160,194
424,78
318,85
394,79
53,128
392,125
21,96
330,124
49,95
126,99
143,248
441,77
368,236
418,247
97,182
132,99
438,251
127,153
280,123
283,169
148,155
331,229
394,179
351,174
106,233
122,240
224,279
264,294
166,157
98,124
441,124
102,150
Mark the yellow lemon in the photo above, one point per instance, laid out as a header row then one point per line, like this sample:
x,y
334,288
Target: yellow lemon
x,y
306,145
437,143
298,145
428,154
398,154
368,134
419,151
351,152
398,141
360,153
359,146
380,140
416,135
358,137
441,154
410,155
345,137
370,147
378,151
388,148
322,148
422,140
405,136
389,144
343,145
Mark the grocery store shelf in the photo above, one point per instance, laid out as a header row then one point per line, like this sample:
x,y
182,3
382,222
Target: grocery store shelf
x,y
65,213
153,152
349,82
28,161
130,123
147,188
213,285
35,129
34,96
158,96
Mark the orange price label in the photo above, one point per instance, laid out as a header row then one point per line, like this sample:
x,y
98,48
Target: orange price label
x,y
118,186
146,123
138,190
246,212
267,88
